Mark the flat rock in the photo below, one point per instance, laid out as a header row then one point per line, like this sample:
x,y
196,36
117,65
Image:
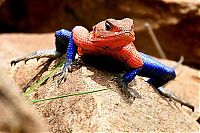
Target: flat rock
x,y
107,110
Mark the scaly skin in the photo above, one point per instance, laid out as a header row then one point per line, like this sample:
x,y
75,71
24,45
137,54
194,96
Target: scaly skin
x,y
116,42
111,38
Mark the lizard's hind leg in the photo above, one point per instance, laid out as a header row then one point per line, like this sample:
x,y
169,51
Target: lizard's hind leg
x,y
160,75
172,96
125,80
38,54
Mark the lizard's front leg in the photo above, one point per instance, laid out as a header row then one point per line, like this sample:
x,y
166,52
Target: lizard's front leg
x,y
38,54
70,53
125,80
62,40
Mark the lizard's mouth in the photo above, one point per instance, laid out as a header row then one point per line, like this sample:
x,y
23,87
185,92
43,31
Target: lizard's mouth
x,y
111,40
110,35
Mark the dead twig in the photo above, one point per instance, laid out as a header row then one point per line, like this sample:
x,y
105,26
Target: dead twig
x,y
155,40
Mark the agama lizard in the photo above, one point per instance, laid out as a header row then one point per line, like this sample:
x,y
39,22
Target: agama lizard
x,y
114,38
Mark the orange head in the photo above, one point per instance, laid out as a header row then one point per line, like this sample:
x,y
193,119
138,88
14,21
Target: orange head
x,y
113,34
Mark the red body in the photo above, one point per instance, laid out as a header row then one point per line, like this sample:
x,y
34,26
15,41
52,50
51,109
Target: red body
x,y
112,38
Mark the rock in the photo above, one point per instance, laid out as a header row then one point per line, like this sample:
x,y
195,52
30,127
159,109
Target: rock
x,y
175,22
16,116
106,110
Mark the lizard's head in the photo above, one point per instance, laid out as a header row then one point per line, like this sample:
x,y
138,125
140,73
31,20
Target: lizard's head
x,y
113,33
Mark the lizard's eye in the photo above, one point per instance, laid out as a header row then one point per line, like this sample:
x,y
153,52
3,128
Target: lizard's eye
x,y
108,26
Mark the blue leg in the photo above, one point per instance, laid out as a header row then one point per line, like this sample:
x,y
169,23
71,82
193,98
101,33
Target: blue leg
x,y
159,75
125,79
65,44
129,76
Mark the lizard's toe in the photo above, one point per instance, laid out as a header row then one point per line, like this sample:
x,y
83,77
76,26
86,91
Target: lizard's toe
x,y
67,67
123,86
13,63
62,75
172,96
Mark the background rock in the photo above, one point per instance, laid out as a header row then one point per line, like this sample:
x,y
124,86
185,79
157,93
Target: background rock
x,y
176,22
16,116
106,110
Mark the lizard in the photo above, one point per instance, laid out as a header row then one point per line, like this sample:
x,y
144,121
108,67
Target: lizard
x,y
113,38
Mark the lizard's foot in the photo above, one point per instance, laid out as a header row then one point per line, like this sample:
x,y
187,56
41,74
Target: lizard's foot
x,y
172,96
38,54
124,87
67,67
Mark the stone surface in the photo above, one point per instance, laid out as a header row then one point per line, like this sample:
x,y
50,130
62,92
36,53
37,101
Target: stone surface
x,y
108,110
101,111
